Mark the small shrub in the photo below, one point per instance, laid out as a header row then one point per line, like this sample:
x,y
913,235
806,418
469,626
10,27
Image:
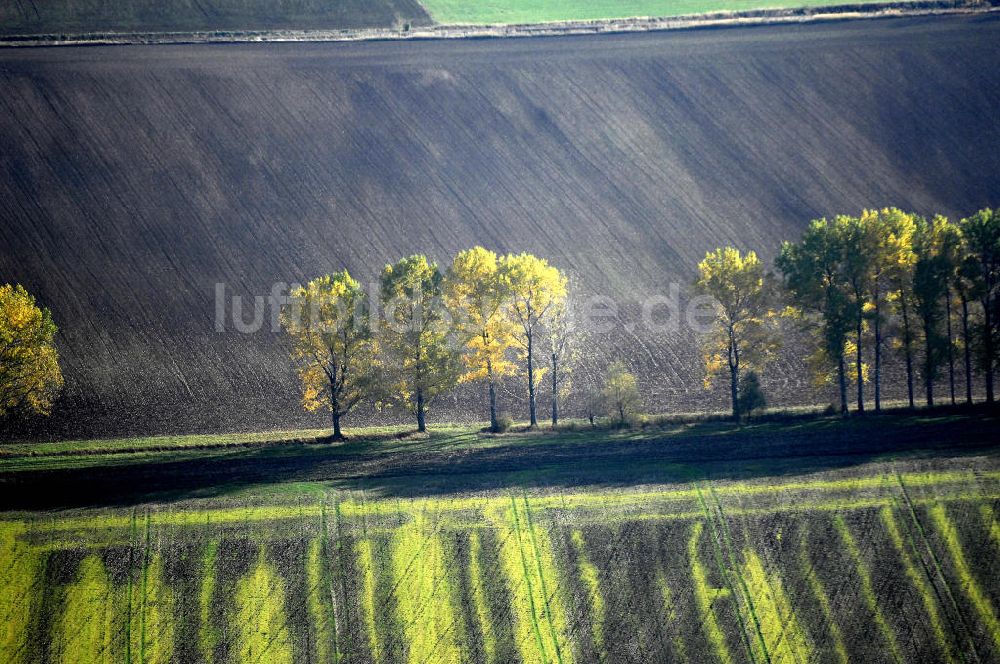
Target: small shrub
x,y
504,423
621,394
751,396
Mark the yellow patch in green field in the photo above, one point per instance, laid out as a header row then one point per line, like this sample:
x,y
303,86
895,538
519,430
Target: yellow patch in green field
x,y
592,583
425,600
981,603
540,616
705,598
260,621
784,639
90,628
20,590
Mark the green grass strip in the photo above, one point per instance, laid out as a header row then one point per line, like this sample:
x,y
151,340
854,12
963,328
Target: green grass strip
x,y
546,567
590,578
20,590
975,593
819,593
318,615
920,582
366,561
425,600
90,621
705,597
260,620
867,588
785,639
735,570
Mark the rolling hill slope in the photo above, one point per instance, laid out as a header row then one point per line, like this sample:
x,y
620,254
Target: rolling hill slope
x,y
133,180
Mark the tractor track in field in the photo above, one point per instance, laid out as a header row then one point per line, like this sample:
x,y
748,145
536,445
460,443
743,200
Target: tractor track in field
x,y
714,454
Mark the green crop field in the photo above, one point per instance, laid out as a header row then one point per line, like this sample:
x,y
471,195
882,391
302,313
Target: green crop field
x,y
888,561
541,11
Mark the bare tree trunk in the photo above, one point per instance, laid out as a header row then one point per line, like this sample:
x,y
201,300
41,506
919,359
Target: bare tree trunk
x,y
929,362
908,350
878,356
858,366
967,350
555,392
421,423
951,349
988,345
842,379
494,425
337,433
734,375
531,384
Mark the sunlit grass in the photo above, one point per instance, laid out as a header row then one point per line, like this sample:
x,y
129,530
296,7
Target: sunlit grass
x,y
785,641
260,620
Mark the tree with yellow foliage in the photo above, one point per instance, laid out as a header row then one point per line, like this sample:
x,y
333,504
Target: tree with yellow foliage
x,y
744,334
477,296
332,343
536,292
420,360
30,377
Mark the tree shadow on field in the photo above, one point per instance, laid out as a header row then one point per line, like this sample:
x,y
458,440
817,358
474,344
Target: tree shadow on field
x,y
466,462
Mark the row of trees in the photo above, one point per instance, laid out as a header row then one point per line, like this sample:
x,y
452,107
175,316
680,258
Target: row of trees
x,y
481,319
886,279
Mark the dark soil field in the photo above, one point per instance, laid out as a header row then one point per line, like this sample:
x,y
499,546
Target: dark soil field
x,y
133,180
816,540
25,17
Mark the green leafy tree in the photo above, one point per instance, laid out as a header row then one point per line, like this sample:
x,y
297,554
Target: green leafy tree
x,y
889,232
860,244
982,236
536,291
744,334
901,297
621,393
332,345
30,378
967,287
418,355
952,256
478,297
813,279
930,287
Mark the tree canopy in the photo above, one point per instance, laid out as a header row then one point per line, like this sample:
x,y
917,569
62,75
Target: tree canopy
x,y
30,378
